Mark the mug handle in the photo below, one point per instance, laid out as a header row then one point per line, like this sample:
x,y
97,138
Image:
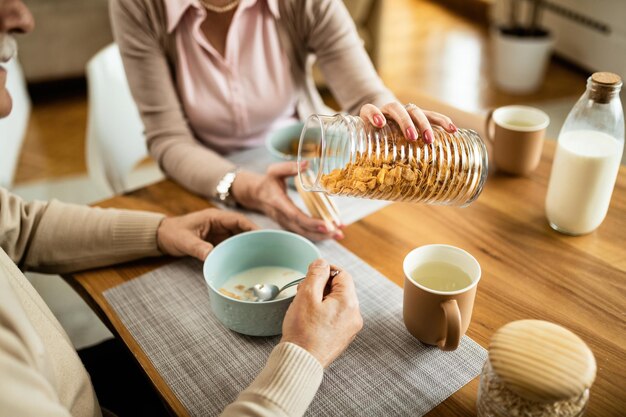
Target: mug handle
x,y
489,128
453,325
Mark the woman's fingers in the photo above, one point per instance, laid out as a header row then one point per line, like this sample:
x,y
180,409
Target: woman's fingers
x,y
421,121
283,169
274,201
398,113
293,218
372,114
441,120
410,118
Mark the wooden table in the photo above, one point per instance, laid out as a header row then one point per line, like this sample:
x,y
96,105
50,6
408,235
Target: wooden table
x,y
529,271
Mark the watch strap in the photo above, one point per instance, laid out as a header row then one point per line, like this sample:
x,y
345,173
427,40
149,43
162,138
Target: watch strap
x,y
223,189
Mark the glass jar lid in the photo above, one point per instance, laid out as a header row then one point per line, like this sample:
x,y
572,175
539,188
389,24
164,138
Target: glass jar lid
x,y
542,361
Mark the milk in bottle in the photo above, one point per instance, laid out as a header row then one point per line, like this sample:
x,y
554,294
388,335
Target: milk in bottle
x,y
587,158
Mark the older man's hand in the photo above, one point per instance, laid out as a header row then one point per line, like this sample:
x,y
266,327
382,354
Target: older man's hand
x,y
323,319
195,234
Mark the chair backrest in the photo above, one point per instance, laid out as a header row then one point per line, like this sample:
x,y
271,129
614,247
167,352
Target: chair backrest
x,y
115,138
13,127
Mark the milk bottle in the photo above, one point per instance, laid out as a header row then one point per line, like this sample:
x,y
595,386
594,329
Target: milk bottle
x,y
587,158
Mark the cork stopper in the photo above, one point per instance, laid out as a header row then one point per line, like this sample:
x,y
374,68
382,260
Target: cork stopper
x,y
542,361
604,86
606,78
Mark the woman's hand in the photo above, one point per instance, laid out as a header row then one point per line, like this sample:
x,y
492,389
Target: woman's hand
x,y
195,234
408,118
268,194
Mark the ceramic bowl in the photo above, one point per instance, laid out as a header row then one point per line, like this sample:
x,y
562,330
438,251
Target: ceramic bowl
x,y
280,145
280,142
250,250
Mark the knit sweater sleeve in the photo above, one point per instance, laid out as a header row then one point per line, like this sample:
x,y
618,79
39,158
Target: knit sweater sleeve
x,y
57,237
137,29
24,389
285,387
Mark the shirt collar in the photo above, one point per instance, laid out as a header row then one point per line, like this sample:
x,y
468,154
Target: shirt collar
x,y
175,9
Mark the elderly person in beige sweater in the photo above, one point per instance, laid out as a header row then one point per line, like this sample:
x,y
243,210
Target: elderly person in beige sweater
x,y
40,372
214,76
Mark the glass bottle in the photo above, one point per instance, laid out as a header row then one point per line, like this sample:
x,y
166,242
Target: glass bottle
x,y
350,157
587,158
535,368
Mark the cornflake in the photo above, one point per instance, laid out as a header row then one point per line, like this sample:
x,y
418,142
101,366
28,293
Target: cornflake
x,y
403,171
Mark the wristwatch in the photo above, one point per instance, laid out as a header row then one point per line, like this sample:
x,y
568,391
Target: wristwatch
x,y
222,191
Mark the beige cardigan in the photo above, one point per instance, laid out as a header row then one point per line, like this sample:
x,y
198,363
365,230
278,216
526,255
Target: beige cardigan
x,y
40,372
308,29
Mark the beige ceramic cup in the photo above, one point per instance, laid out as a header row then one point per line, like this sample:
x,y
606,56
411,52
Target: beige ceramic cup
x,y
439,318
516,136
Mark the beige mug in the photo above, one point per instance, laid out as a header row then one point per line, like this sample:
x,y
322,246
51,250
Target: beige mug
x,y
516,136
439,318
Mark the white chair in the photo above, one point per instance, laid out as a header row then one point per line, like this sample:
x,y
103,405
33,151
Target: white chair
x,y
115,138
13,127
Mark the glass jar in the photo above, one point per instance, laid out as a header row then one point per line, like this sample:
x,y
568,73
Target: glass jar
x,y
535,369
495,399
350,157
587,158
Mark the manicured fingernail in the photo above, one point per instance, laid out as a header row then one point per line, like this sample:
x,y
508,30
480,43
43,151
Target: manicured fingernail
x,y
428,136
322,229
338,235
378,120
452,127
411,133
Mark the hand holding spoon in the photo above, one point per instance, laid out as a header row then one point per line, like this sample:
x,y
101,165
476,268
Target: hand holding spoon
x,y
268,292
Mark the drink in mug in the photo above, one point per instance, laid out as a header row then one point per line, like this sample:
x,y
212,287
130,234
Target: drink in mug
x,y
585,167
441,276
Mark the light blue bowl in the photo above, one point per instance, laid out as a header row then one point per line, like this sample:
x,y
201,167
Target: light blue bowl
x,y
278,143
250,250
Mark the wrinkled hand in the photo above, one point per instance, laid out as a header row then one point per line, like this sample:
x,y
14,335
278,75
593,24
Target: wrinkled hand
x,y
195,234
408,118
268,194
323,323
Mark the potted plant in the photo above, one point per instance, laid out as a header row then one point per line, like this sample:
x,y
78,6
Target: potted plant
x,y
521,48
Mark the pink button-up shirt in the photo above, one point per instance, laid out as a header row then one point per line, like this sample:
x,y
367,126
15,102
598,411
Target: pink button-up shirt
x,y
232,101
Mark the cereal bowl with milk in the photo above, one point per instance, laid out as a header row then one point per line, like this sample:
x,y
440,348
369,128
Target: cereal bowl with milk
x,y
258,257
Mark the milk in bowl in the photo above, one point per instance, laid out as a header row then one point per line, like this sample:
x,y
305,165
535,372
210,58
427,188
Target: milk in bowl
x,y
239,286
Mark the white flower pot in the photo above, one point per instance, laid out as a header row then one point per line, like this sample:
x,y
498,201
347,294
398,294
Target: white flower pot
x,y
519,62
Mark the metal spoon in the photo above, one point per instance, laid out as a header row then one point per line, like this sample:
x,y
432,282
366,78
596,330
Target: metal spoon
x,y
267,292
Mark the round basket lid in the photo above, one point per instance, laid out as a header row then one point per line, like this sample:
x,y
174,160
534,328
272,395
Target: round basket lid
x,y
542,361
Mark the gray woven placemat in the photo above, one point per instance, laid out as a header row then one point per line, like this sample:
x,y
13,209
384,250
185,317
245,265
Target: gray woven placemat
x,y
384,372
